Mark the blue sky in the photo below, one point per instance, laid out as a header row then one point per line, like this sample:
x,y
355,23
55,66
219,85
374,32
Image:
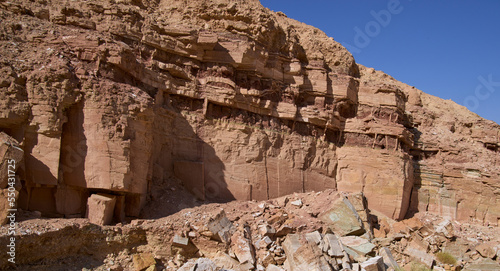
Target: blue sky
x,y
450,49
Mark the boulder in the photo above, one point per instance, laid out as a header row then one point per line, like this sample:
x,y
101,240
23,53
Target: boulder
x,y
242,248
313,237
389,260
303,255
284,230
297,203
225,261
357,244
267,230
457,249
406,226
333,247
221,227
373,264
100,208
445,228
180,241
415,251
487,249
143,261
342,220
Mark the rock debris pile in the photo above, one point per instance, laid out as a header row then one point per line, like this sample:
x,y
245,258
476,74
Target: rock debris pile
x,y
328,231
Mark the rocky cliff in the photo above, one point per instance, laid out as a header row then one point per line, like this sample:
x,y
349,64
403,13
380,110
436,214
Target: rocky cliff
x,y
122,98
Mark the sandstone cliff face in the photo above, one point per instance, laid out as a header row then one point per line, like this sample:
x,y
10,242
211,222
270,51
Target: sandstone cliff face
x,y
236,101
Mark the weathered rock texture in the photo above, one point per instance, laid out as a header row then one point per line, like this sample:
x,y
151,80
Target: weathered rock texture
x,y
248,235
111,97
10,156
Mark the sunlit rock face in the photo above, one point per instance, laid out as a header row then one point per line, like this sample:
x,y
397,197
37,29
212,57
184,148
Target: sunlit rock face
x,y
233,100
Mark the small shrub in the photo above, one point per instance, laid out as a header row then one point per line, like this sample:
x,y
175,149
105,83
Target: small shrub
x,y
419,267
446,258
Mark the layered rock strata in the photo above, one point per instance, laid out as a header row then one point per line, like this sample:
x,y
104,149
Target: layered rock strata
x,y
238,102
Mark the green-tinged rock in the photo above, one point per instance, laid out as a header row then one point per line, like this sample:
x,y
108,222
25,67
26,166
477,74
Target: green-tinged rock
x,y
342,220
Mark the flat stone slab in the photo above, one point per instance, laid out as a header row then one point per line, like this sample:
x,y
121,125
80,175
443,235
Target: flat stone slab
x,y
221,227
358,244
373,264
389,260
484,265
334,247
180,241
303,255
313,237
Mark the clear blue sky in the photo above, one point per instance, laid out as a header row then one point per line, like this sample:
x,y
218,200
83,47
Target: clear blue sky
x,y
450,49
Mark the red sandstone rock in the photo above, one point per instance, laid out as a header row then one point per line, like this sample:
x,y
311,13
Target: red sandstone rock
x,y
111,96
243,248
373,264
101,208
10,157
342,219
143,261
221,227
487,249
302,255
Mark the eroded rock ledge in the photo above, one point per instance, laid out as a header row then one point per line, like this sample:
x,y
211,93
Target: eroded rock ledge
x,y
236,101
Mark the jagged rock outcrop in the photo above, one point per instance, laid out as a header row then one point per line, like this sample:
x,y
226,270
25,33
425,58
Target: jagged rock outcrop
x,y
455,156
120,97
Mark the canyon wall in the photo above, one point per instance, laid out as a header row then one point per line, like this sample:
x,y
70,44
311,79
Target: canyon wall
x,y
232,99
